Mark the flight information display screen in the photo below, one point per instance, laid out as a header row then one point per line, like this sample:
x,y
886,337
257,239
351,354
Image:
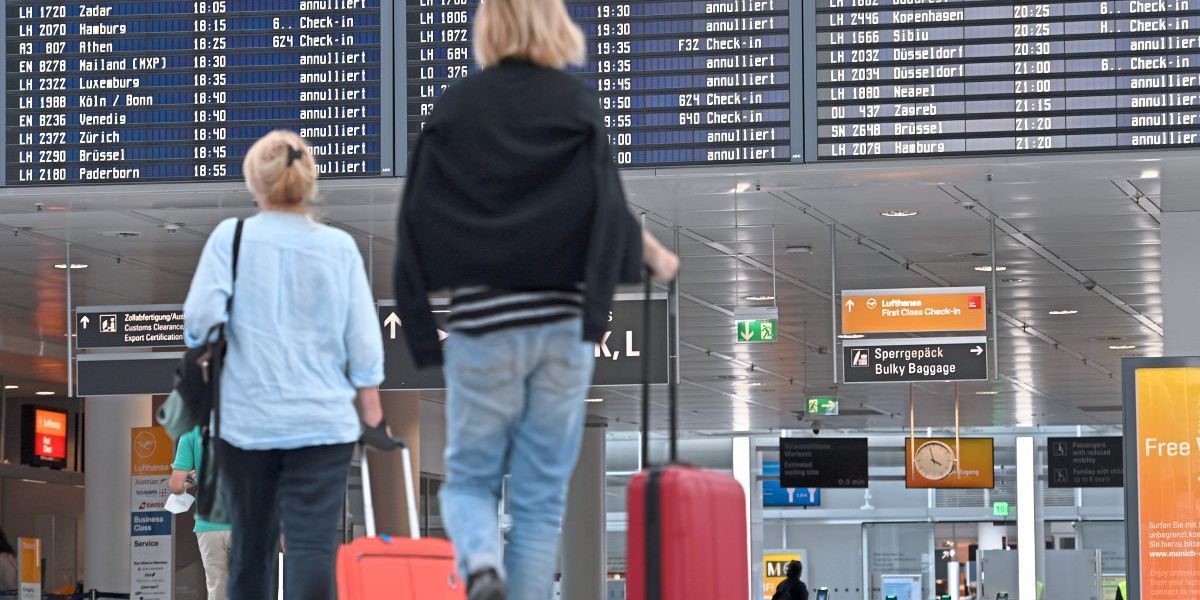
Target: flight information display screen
x,y
681,82
126,91
177,90
899,78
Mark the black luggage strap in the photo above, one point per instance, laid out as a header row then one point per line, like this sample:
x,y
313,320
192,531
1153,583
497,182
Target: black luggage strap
x,y
653,507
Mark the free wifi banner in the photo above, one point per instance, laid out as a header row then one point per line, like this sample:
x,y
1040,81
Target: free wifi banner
x,y
1164,520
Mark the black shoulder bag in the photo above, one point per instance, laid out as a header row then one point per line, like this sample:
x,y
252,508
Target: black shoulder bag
x,y
198,383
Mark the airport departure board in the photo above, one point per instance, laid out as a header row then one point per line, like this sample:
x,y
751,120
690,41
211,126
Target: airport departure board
x,y
899,78
126,91
681,82
177,90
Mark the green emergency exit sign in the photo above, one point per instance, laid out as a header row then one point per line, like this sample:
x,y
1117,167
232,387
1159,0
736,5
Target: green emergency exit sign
x,y
825,406
757,332
999,509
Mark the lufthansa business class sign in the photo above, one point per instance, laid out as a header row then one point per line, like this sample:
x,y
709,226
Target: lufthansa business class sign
x,y
914,360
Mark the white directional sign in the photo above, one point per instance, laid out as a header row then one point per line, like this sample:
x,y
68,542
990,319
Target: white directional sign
x,y
915,359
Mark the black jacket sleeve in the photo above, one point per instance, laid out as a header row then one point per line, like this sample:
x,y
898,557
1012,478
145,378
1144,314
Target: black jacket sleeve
x,y
412,294
615,246
800,592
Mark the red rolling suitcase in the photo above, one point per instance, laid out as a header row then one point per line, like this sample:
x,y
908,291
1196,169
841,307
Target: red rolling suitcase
x,y
387,568
687,526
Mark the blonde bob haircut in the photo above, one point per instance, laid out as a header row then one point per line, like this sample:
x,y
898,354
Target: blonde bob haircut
x,y
280,170
540,31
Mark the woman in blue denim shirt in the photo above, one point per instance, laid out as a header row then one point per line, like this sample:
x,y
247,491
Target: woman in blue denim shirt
x,y
304,348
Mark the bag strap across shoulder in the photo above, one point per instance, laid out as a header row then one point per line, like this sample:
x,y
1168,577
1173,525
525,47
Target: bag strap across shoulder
x,y
237,249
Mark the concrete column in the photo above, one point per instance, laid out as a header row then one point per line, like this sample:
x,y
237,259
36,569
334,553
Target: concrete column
x,y
991,537
1181,283
403,413
1180,247
107,482
585,529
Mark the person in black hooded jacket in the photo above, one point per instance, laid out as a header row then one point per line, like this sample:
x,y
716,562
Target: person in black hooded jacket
x,y
792,588
514,205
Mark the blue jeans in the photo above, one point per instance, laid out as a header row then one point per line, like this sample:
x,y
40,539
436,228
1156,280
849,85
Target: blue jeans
x,y
515,404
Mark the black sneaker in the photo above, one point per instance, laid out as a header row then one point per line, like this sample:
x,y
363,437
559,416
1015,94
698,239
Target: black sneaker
x,y
485,584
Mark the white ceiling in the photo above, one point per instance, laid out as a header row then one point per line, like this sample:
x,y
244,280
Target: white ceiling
x,y
1063,222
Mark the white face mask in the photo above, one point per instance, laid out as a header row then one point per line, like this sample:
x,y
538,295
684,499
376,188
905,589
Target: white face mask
x,y
178,504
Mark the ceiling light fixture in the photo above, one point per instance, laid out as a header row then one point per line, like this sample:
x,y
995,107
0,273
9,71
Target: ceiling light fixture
x,y
11,387
1012,280
45,393
1064,312
1123,347
74,266
755,384
798,250
900,213
851,336
987,393
594,400
765,298
988,268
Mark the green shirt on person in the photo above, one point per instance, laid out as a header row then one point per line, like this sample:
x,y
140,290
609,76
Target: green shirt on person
x,y
189,455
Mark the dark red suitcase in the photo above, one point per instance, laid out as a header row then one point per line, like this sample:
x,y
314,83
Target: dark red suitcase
x,y
687,526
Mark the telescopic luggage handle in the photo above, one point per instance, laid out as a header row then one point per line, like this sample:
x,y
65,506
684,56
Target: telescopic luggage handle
x,y
672,377
414,526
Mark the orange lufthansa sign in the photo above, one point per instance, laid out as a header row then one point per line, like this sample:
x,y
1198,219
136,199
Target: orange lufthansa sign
x,y
944,463
50,422
152,452
914,310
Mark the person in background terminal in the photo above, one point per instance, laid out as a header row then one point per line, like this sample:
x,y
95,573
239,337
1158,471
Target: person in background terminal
x,y
8,565
792,588
213,538
515,206
303,348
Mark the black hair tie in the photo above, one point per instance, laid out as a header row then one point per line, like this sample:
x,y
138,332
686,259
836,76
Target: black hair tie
x,y
294,154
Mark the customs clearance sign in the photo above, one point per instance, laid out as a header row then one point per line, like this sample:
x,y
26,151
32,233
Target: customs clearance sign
x,y
152,547
146,326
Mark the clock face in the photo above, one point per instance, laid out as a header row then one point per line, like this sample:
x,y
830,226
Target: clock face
x,y
934,461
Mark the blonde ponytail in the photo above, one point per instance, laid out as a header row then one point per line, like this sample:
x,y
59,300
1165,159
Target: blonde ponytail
x,y
280,170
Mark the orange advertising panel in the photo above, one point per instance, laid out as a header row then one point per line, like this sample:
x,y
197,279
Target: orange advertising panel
x,y
29,559
1168,469
943,463
914,310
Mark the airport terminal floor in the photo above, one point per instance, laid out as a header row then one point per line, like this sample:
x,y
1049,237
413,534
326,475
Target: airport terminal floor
x,y
936,313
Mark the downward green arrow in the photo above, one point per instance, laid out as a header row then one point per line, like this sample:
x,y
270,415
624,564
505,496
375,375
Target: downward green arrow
x,y
747,331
